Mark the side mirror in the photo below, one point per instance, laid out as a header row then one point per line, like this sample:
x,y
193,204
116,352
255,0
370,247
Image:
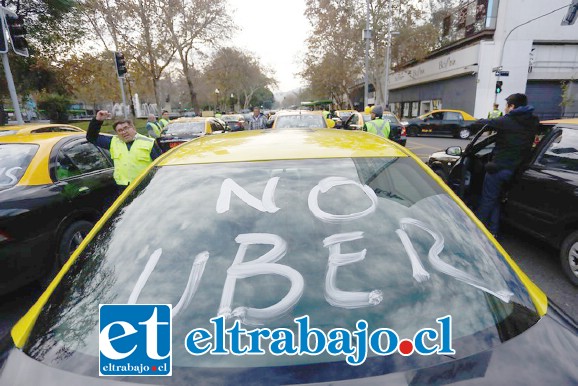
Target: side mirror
x,y
454,150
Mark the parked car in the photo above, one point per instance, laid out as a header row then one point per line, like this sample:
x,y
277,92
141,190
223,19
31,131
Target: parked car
x,y
38,128
182,130
338,230
397,131
457,123
542,200
234,122
53,188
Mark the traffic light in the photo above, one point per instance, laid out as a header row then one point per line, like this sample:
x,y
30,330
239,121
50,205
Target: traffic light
x,y
17,32
499,86
120,64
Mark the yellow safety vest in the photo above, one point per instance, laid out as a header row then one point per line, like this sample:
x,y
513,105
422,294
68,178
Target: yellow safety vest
x,y
378,126
163,122
129,164
495,114
157,128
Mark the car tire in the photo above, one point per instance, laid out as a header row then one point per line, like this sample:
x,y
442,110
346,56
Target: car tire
x,y
412,131
569,257
464,133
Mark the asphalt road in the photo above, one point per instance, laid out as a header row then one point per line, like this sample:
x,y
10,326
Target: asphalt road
x,y
539,261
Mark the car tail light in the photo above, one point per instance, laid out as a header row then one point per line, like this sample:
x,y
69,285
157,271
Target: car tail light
x,y
4,237
174,144
403,131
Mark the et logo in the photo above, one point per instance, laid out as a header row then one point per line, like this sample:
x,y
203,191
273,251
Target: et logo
x,y
135,339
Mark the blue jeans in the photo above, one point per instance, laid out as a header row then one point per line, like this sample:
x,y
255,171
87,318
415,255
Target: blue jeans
x,y
489,209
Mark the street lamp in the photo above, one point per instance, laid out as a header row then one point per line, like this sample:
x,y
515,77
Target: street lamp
x,y
367,37
232,102
216,98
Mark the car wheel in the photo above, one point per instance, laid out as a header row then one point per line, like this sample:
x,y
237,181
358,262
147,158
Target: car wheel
x,y
569,257
464,133
67,244
412,131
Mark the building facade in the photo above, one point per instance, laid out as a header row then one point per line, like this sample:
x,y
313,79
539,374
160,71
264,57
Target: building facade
x,y
524,39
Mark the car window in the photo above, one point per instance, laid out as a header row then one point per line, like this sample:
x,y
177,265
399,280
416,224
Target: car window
x,y
79,157
14,160
452,116
354,119
391,118
177,128
418,257
304,121
54,129
561,152
436,116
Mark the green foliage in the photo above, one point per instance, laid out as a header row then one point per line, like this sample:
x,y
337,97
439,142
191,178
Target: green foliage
x,y
56,106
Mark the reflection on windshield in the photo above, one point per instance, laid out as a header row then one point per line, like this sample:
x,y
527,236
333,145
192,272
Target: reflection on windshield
x,y
305,121
265,242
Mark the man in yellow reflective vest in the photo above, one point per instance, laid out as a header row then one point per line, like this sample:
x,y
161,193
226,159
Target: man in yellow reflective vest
x,y
153,127
495,113
130,151
377,125
164,121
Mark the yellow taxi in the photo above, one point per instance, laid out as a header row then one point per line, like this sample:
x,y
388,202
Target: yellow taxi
x,y
37,128
53,187
220,262
456,123
302,119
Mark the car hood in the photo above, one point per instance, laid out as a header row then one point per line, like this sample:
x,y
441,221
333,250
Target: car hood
x,y
545,354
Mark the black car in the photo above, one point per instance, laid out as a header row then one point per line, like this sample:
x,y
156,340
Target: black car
x,y
53,188
542,199
456,123
185,129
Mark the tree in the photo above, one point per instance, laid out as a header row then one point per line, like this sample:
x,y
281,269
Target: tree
x,y
194,22
233,71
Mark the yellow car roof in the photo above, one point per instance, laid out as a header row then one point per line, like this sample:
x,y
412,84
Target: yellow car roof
x,y
263,145
37,171
36,127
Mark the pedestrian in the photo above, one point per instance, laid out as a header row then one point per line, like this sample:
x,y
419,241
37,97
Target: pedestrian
x,y
164,120
130,151
153,127
515,134
377,125
257,120
495,113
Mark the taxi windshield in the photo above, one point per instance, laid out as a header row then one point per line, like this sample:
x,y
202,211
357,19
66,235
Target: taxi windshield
x,y
423,258
186,128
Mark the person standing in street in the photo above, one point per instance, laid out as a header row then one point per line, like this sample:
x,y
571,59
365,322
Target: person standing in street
x,y
515,134
164,120
495,113
130,151
257,120
154,129
377,125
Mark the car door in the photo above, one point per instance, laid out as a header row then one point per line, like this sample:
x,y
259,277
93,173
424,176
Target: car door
x,y
83,176
452,122
545,197
353,122
432,123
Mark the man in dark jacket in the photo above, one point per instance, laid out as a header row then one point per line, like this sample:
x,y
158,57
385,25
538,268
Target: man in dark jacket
x,y
515,134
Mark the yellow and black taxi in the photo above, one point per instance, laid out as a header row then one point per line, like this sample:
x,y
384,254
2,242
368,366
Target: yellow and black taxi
x,y
456,123
38,128
302,119
291,257
53,189
182,130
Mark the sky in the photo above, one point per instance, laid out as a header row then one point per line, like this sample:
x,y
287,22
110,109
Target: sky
x,y
274,30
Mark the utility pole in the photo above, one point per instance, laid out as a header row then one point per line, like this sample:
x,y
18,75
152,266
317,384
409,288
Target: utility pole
x,y
18,46
366,37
